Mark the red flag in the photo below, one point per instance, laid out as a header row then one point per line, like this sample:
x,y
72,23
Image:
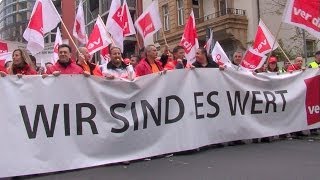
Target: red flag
x,y
252,60
57,42
3,47
127,24
304,14
99,37
5,57
264,40
149,21
190,39
43,19
114,23
105,55
79,30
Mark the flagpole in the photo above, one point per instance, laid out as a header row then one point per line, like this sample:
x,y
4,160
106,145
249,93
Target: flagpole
x,y
138,43
164,37
69,35
275,40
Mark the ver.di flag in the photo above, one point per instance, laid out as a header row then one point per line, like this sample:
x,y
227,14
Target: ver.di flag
x,y
114,23
219,56
44,18
128,27
189,39
99,37
149,21
79,29
252,60
264,40
304,14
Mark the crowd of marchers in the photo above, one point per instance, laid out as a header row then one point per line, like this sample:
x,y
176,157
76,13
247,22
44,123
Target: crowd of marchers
x,y
144,63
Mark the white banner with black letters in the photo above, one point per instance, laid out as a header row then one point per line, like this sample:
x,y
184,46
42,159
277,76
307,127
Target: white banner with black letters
x,y
70,121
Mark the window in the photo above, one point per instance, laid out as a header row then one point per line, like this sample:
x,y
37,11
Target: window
x,y
222,7
180,12
311,47
196,9
165,11
157,36
23,5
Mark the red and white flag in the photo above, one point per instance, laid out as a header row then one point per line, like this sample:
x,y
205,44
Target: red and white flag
x,y
5,57
79,29
57,42
149,21
304,14
128,27
208,44
3,47
264,40
190,39
105,55
114,23
219,56
44,18
252,60
99,37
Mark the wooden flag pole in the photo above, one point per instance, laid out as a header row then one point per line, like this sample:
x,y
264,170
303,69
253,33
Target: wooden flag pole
x,y
164,37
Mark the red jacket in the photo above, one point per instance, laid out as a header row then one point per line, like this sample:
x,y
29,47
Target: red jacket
x,y
26,70
144,68
2,68
293,67
72,68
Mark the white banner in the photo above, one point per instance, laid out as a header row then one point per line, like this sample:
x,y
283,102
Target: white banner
x,y
70,122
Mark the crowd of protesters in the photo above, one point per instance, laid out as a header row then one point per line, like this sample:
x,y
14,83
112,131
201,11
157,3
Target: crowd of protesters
x,y
147,62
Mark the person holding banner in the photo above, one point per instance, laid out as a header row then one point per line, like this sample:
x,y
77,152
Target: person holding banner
x,y
203,60
83,60
286,64
116,68
149,64
297,65
316,62
21,64
64,65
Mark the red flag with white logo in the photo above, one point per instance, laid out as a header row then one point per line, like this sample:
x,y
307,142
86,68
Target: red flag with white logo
x,y
264,40
114,23
99,37
127,24
149,21
304,14
252,60
219,56
79,29
57,42
190,39
44,18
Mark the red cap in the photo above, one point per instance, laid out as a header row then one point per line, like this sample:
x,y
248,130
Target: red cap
x,y
272,60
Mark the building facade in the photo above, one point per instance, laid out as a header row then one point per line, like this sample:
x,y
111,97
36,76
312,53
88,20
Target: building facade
x,y
234,23
14,18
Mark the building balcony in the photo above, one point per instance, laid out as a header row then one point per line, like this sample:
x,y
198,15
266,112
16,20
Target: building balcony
x,y
229,24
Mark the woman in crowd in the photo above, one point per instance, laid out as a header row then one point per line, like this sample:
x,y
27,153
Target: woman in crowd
x,y
116,68
21,64
272,65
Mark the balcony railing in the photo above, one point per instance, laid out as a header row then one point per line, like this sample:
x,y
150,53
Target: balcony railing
x,y
223,12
